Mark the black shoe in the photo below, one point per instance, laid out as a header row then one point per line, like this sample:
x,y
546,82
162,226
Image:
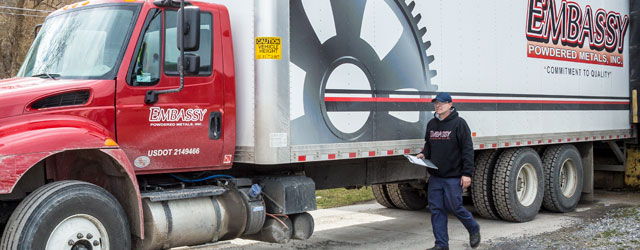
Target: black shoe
x,y
474,240
438,248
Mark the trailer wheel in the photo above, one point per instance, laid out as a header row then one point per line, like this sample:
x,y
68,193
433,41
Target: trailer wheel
x,y
563,178
482,186
518,183
404,196
67,215
381,194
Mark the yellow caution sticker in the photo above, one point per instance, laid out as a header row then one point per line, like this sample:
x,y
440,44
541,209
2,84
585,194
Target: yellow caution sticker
x,y
268,48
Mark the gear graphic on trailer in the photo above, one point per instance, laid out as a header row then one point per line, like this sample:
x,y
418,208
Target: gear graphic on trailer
x,y
363,62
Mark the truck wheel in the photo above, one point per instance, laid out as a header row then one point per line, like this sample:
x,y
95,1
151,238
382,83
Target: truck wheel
x,y
67,215
518,184
381,194
407,197
562,178
481,186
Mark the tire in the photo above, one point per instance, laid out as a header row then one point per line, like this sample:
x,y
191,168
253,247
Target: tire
x,y
381,194
482,184
518,184
52,212
404,196
562,178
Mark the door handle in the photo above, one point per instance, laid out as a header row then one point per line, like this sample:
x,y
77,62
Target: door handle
x,y
215,125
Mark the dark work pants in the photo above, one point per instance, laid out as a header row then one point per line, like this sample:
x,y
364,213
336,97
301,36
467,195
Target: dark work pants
x,y
445,194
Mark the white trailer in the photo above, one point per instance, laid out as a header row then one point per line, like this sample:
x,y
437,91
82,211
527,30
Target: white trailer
x,y
353,80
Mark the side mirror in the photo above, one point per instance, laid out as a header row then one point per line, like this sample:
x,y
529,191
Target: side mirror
x,y
191,63
190,29
36,29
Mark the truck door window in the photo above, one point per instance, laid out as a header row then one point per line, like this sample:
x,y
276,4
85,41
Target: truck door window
x,y
146,71
171,49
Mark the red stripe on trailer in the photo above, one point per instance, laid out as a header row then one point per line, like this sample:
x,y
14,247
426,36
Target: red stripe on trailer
x,y
611,137
506,144
352,155
539,141
550,141
559,140
517,143
407,151
372,153
332,156
302,158
528,142
578,139
531,101
617,136
374,99
568,139
595,137
389,152
427,100
602,137
494,145
481,145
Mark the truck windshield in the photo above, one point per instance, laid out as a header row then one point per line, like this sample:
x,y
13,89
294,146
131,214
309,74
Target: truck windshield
x,y
86,43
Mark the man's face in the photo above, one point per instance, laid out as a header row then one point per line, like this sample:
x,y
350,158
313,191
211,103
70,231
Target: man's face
x,y
442,108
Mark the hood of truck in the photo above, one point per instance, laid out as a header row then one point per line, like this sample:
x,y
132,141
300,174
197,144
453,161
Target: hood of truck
x,y
16,94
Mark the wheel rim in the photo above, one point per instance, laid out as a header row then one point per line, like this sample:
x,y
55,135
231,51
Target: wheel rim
x,y
568,178
79,232
527,184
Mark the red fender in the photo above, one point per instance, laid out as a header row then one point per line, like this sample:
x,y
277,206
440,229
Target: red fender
x,y
25,143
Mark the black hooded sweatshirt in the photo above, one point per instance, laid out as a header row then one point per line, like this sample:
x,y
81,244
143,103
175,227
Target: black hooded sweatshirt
x,y
448,145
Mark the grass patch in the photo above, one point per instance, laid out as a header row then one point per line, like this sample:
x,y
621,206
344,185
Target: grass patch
x,y
342,197
608,234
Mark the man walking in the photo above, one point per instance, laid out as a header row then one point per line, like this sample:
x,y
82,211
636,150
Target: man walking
x,y
448,145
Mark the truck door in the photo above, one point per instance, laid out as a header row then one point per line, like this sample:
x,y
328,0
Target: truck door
x,y
182,130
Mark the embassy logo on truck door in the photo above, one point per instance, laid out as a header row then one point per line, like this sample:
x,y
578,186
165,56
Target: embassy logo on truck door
x,y
172,117
563,30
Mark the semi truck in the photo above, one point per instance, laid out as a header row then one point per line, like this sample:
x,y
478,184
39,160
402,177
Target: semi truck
x,y
153,124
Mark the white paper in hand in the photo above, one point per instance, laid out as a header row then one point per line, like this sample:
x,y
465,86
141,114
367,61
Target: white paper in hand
x,y
421,162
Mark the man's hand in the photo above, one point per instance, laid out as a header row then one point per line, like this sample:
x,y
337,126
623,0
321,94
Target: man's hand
x,y
465,181
420,156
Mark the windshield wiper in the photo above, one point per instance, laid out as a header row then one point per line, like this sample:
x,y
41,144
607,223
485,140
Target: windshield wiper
x,y
47,75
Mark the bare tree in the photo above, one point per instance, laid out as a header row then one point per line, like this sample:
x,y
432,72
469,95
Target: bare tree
x,y
16,30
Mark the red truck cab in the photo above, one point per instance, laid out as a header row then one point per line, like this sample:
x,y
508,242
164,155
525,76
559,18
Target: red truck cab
x,y
87,82
76,110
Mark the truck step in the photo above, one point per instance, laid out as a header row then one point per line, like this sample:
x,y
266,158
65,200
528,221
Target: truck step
x,y
187,193
612,168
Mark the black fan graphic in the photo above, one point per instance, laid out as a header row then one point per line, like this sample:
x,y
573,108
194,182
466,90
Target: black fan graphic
x,y
406,66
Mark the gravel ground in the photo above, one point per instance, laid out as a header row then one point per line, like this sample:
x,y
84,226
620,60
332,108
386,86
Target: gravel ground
x,y
608,227
610,221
